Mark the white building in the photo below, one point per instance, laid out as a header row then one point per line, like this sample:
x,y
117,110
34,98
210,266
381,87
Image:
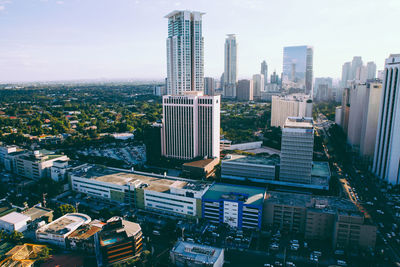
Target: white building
x,y
57,231
14,221
258,85
296,105
371,70
5,150
357,102
185,52
297,150
387,150
338,115
230,74
191,126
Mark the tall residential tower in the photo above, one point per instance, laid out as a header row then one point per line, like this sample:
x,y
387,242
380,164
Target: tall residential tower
x,y
230,74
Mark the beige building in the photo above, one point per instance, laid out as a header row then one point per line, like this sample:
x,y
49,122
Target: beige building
x,y
296,105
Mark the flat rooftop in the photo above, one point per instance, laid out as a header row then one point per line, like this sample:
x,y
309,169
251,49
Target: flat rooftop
x,y
320,169
290,199
14,217
197,252
199,163
249,195
37,212
251,159
87,230
299,122
65,224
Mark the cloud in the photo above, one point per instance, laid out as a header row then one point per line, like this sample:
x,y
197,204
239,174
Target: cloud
x,y
2,8
60,2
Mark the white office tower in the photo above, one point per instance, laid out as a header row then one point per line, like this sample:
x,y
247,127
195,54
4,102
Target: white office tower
x,y
258,86
387,150
356,63
264,71
230,74
296,105
209,86
297,150
185,52
191,126
371,70
346,73
357,101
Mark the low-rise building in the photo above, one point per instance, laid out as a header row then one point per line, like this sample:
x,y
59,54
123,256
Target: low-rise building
x,y
185,254
249,168
200,169
83,238
38,214
118,241
14,221
57,231
238,206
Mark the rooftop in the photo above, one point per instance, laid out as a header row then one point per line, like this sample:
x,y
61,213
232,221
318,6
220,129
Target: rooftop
x,y
14,217
37,212
320,169
248,194
65,224
299,122
87,230
197,252
199,163
251,159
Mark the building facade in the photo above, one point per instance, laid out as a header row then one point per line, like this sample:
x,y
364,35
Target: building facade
x,y
230,73
387,148
191,126
258,86
296,105
297,150
245,90
185,52
209,86
264,72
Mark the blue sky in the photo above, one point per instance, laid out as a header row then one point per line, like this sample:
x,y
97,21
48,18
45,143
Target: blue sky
x,y
91,39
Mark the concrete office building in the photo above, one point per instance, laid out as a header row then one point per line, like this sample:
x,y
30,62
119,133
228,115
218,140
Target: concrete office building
x,y
356,64
357,102
159,193
345,109
296,105
14,221
387,150
346,74
258,86
323,89
249,168
298,68
237,205
297,150
209,86
245,90
186,254
264,72
185,52
371,70
191,126
230,64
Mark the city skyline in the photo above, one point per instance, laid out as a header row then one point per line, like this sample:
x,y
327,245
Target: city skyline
x,y
83,44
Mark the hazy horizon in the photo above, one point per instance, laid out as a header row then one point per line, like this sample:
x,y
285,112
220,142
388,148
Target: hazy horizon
x,y
51,40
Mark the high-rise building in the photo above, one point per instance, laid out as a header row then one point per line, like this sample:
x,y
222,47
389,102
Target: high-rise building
x,y
298,68
356,63
264,71
258,85
230,74
346,73
387,149
209,86
371,70
245,90
296,105
191,126
357,102
185,52
274,78
323,89
345,109
297,150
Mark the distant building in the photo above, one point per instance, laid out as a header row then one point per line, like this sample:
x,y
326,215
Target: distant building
x,y
191,126
14,221
264,72
123,136
209,86
298,68
338,115
323,89
346,74
118,241
57,231
297,150
238,206
258,86
296,105
185,52
345,109
387,150
185,254
245,90
230,64
371,70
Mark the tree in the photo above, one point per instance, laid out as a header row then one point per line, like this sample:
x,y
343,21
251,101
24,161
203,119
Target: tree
x,y
44,254
15,237
63,209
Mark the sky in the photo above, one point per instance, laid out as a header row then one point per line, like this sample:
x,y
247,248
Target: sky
x,y
126,39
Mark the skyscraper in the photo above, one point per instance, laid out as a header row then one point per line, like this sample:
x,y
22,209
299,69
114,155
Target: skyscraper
x,y
258,85
209,86
264,71
356,63
371,70
245,90
298,68
296,105
297,150
185,52
230,74
346,73
191,126
387,146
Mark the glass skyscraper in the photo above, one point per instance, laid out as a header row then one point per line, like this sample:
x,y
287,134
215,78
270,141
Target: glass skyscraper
x,y
298,68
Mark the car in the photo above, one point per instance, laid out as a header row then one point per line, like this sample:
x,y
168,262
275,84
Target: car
x,y
341,263
155,232
274,246
268,265
339,252
278,263
294,247
290,264
318,253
